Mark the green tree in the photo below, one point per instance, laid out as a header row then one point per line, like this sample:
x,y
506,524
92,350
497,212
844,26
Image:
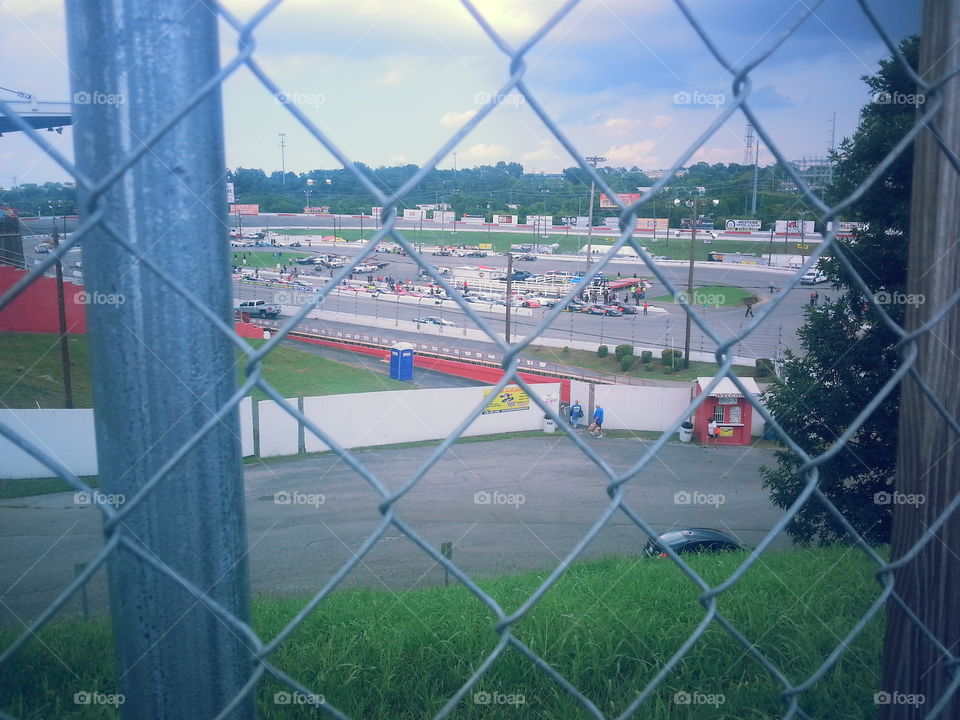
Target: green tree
x,y
848,354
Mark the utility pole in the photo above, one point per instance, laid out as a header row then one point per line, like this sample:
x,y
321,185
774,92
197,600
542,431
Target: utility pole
x,y
62,315
283,163
506,333
695,206
593,160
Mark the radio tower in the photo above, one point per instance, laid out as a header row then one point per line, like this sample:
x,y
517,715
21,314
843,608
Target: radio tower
x,y
748,146
751,156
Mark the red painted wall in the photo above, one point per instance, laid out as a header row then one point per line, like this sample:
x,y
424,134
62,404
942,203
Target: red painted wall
x,y
35,309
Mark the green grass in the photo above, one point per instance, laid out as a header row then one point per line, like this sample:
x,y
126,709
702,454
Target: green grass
x,y
267,259
610,365
716,296
25,487
608,626
676,248
30,373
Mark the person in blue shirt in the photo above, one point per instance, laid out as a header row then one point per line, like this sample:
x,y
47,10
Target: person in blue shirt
x,y
576,412
596,427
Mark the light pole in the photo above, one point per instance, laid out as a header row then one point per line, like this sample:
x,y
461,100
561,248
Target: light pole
x,y
283,161
593,160
62,318
694,204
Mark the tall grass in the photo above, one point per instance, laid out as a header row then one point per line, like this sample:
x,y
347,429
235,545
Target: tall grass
x,y
608,626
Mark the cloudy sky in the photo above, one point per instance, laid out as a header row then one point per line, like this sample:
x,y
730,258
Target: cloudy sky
x,y
390,80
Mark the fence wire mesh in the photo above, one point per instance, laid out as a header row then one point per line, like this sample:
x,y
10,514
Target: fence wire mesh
x,y
117,538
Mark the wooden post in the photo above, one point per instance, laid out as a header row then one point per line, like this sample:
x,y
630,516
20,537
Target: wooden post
x,y
928,452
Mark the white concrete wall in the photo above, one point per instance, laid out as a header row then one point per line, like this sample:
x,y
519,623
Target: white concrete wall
x,y
278,429
67,435
383,418
246,426
632,407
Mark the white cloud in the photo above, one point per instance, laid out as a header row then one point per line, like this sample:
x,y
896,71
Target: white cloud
x,y
617,126
661,122
391,77
546,151
457,119
637,153
399,159
482,152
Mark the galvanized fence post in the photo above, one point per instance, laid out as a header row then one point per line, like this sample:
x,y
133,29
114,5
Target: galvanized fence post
x,y
160,369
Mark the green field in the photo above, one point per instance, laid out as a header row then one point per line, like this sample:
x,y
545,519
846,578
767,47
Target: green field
x,y
671,247
610,365
715,296
608,626
266,258
31,376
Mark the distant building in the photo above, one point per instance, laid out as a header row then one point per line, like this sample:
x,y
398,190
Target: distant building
x,y
11,241
656,174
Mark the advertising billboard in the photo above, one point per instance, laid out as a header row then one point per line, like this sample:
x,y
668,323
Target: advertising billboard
x,y
236,209
743,225
509,399
653,223
472,219
540,221
625,198
231,197
445,216
317,210
505,219
414,215
848,228
790,227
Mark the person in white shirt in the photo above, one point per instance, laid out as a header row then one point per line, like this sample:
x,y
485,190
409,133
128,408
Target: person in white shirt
x,y
712,428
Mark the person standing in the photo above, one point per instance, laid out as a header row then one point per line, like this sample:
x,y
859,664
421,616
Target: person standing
x,y
749,312
712,429
596,427
646,306
576,412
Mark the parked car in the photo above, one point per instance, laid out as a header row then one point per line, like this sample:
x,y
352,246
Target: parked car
x,y
475,254
812,277
306,260
258,308
527,258
574,306
626,308
691,540
366,268
520,275
442,253
531,303
603,310
432,320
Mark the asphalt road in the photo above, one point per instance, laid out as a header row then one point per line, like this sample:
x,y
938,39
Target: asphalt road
x,y
544,495
667,329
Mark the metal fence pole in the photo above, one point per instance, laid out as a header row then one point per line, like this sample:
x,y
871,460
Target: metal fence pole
x,y
160,370
928,454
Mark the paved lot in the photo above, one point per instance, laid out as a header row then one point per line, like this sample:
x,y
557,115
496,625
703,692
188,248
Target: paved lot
x,y
295,547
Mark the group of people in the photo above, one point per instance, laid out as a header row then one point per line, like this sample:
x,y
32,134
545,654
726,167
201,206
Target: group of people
x,y
595,427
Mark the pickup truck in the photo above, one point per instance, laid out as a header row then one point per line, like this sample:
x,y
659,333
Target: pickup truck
x,y
258,308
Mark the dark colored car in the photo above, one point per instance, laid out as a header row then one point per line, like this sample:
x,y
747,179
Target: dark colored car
x,y
520,275
443,253
572,306
691,540
527,258
626,309
602,310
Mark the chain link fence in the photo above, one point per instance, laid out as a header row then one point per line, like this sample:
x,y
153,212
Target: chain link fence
x,y
172,419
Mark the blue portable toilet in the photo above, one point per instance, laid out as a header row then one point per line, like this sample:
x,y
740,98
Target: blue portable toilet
x,y
401,361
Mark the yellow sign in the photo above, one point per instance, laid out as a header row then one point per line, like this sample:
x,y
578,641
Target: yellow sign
x,y
507,400
485,246
724,432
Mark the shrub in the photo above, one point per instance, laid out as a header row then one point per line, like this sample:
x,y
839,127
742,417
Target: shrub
x,y
565,349
671,357
626,362
646,356
602,351
622,351
764,367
